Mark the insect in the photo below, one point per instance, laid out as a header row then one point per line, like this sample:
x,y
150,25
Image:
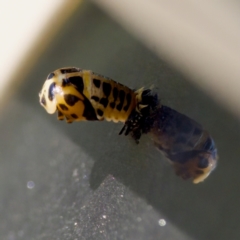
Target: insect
x,y
78,95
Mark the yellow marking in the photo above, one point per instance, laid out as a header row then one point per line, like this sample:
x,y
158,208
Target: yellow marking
x,y
87,79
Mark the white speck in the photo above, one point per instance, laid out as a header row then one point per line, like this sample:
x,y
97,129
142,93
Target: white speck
x,y
121,195
162,222
104,216
30,184
139,219
75,224
75,172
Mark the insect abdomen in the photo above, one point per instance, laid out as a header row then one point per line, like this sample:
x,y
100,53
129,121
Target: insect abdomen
x,y
185,143
111,100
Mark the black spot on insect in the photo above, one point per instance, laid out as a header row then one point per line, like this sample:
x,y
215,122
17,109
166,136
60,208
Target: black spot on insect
x,y
77,81
203,163
63,107
100,112
104,102
112,105
43,100
50,75
74,116
129,99
50,91
70,99
97,83
106,89
95,98
70,70
115,94
65,82
121,98
89,112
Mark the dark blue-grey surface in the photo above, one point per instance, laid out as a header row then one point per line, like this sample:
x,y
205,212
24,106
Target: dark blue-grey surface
x,y
90,183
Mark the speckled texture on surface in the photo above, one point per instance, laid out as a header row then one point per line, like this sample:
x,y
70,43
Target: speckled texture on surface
x,y
83,181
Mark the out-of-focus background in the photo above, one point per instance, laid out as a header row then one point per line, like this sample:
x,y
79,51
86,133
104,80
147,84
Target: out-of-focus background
x,y
83,181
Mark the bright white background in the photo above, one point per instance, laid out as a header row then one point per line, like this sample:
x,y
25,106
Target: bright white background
x,y
25,32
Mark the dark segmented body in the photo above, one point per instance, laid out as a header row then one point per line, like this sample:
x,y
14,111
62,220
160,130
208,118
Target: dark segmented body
x,y
185,143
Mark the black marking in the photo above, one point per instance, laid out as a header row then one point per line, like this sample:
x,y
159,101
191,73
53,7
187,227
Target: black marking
x,y
77,81
115,94
89,112
121,98
100,112
145,96
43,100
70,99
129,99
112,105
74,116
70,70
63,107
107,89
203,163
65,82
50,76
50,91
104,102
97,83
95,98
